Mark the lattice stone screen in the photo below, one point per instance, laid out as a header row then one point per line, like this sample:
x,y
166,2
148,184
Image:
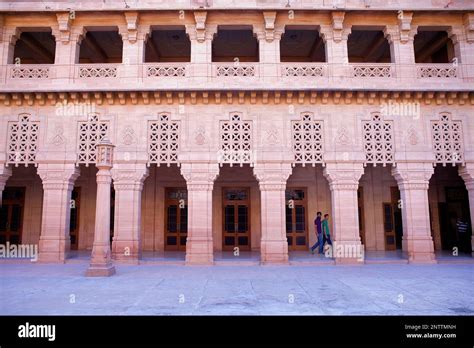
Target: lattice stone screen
x,y
22,141
307,140
378,141
236,141
447,140
90,134
163,141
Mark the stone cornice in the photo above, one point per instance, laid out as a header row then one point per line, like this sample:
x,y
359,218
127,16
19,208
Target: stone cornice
x,y
236,97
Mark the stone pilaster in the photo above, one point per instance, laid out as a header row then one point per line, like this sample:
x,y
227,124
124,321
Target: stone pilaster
x,y
201,36
463,42
133,37
128,184
335,38
58,183
269,46
8,38
272,179
413,182
467,173
199,181
101,261
67,47
5,173
343,178
402,51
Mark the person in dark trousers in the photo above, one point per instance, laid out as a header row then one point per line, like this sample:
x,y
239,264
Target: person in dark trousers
x,y
319,233
326,233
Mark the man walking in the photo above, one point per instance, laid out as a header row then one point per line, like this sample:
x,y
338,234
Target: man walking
x,y
326,233
319,233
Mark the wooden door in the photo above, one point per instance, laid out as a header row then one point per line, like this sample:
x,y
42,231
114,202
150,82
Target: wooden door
x,y
236,219
176,219
11,215
296,219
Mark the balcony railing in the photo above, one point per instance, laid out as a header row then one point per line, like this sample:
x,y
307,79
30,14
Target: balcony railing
x,y
441,71
30,72
165,70
99,71
235,69
371,70
303,69
217,75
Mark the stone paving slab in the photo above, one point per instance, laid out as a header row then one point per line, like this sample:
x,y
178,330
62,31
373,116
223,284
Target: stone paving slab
x,y
390,289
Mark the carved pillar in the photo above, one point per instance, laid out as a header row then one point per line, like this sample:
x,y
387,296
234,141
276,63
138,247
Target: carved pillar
x,y
463,41
5,173
201,37
272,179
101,261
343,178
269,46
8,38
467,173
58,183
128,184
67,47
133,37
199,181
413,182
402,51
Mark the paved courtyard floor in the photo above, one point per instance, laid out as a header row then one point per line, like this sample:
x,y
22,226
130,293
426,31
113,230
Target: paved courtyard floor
x,y
394,289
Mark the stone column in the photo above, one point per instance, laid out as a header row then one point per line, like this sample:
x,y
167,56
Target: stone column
x,y
413,182
8,38
58,183
269,47
67,47
272,179
463,41
467,173
201,37
335,38
5,173
200,181
128,184
343,178
402,51
101,261
133,37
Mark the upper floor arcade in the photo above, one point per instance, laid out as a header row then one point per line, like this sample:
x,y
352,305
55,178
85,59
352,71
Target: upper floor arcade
x,y
258,49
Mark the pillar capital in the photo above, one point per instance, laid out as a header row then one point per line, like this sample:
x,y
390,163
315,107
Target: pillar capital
x,y
5,173
130,177
63,32
129,31
272,176
466,172
413,176
58,176
456,34
343,176
468,20
200,176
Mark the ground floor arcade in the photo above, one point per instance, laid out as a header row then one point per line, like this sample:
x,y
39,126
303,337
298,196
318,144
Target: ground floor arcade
x,y
200,213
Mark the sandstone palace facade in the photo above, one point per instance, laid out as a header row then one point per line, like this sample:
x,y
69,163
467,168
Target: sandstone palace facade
x,y
204,127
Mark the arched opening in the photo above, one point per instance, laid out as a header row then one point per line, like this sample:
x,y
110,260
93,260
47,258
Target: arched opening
x,y
35,46
235,44
368,45
236,215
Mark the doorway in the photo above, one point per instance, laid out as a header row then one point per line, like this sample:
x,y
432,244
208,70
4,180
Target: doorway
x,y
296,219
176,219
74,219
11,215
236,209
